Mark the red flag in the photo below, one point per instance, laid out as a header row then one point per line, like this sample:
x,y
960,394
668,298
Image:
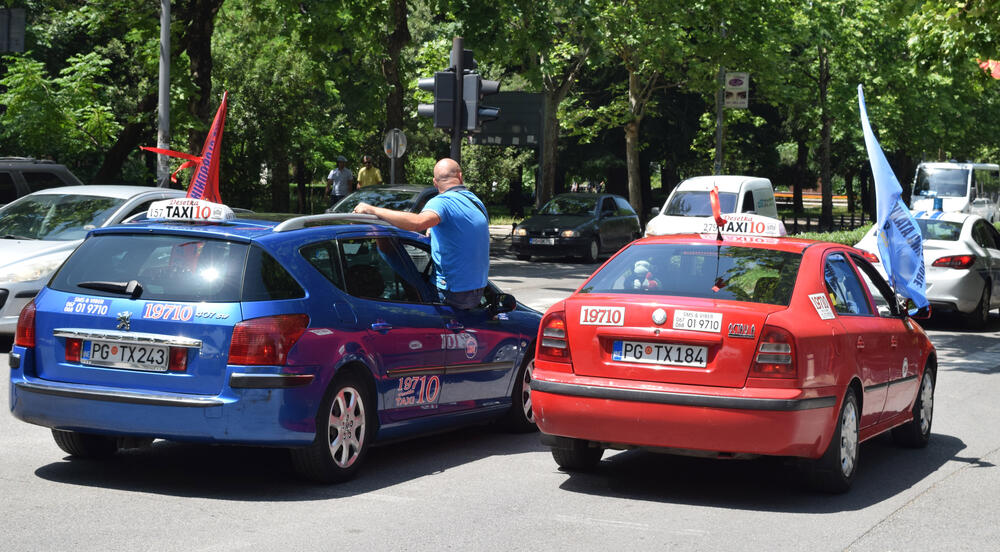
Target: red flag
x,y
205,180
991,66
713,195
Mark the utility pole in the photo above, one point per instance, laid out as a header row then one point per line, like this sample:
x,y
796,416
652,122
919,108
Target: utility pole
x,y
720,118
163,133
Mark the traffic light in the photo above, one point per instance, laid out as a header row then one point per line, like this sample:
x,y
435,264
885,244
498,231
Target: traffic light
x,y
474,88
442,85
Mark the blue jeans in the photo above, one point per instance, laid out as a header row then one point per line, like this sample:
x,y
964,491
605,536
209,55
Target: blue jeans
x,y
463,300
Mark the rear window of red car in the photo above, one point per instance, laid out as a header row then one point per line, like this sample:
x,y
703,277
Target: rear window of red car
x,y
714,272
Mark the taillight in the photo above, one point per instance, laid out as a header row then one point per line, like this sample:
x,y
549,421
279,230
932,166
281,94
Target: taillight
x,y
266,340
775,357
73,347
956,261
25,334
870,257
554,344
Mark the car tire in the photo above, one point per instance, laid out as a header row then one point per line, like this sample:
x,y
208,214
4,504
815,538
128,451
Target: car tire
x,y
576,454
917,432
522,256
520,418
593,250
344,428
834,471
85,445
978,318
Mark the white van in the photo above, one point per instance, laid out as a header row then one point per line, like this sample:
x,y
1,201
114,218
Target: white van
x,y
690,201
961,187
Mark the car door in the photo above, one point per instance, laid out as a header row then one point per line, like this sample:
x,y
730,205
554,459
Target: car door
x,y
479,352
630,221
402,329
986,236
870,335
904,341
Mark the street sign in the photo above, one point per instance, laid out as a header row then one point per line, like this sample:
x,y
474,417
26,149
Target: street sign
x,y
737,90
395,143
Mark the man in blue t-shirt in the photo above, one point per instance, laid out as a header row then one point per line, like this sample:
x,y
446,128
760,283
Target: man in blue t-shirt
x,y
459,231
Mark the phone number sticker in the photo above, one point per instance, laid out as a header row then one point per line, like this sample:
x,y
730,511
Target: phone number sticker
x,y
602,316
87,305
168,311
698,321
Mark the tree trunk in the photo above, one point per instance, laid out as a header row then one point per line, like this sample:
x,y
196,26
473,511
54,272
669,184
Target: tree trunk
x,y
849,185
399,37
550,145
636,106
279,182
196,40
826,178
128,140
801,170
300,178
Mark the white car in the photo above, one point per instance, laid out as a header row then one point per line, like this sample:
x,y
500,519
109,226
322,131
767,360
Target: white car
x,y
688,203
962,263
41,229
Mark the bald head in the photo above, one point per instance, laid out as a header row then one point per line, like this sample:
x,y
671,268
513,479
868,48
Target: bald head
x,y
447,173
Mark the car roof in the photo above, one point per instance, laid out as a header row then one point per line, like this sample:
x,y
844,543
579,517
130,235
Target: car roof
x,y
104,190
795,245
401,187
957,165
725,182
248,228
949,216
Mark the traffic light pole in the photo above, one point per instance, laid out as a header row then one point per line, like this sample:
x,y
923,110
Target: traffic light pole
x,y
457,56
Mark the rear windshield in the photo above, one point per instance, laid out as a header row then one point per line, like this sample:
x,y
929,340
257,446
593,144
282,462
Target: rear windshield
x,y
397,200
706,271
698,204
940,229
175,268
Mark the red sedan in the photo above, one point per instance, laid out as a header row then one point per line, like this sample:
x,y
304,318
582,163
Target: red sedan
x,y
733,346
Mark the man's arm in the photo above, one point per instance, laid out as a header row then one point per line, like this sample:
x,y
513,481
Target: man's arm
x,y
418,222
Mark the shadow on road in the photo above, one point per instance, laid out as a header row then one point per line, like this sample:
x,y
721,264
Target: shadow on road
x,y
265,474
765,484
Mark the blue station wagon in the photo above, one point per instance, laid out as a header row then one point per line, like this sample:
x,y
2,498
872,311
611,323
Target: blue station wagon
x,y
320,333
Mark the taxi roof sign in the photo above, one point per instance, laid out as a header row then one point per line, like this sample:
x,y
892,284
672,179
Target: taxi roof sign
x,y
186,209
737,224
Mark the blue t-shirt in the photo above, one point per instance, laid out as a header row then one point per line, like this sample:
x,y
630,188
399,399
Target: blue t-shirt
x,y
460,243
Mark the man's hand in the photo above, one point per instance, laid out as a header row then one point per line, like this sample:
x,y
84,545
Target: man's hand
x,y
364,209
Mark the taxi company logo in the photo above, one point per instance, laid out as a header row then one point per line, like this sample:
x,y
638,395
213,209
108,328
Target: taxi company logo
x,y
743,330
125,320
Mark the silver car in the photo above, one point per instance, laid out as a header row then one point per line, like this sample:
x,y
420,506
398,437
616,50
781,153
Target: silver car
x,y
962,263
41,229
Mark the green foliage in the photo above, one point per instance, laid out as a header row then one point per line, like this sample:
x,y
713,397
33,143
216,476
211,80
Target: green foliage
x,y
845,237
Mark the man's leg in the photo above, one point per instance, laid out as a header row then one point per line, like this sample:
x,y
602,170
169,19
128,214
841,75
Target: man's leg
x,y
462,300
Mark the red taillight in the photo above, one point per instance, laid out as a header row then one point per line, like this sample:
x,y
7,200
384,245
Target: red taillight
x,y
266,340
956,261
178,359
870,257
25,335
553,344
73,347
775,357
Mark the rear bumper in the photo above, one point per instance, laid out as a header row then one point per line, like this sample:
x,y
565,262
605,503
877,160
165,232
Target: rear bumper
x,y
277,410
949,289
620,413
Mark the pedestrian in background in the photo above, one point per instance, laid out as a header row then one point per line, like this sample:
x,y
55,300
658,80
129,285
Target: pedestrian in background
x,y
459,231
340,181
368,175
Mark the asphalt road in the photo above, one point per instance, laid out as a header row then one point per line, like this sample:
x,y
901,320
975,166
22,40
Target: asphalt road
x,y
480,488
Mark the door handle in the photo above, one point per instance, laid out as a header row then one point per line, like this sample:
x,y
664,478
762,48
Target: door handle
x,y
861,343
893,342
455,326
381,326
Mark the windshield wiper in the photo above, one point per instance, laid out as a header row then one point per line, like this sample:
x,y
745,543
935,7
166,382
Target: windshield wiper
x,y
16,237
132,288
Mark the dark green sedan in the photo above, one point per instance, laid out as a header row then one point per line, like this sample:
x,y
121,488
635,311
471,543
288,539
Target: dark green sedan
x,y
578,224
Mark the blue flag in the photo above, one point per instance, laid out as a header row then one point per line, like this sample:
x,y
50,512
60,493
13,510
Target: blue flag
x,y
900,244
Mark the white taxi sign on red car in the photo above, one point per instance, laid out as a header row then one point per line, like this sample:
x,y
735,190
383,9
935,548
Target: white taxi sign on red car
x,y
186,209
743,224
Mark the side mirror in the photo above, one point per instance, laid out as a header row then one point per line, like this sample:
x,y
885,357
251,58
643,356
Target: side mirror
x,y
654,211
504,302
